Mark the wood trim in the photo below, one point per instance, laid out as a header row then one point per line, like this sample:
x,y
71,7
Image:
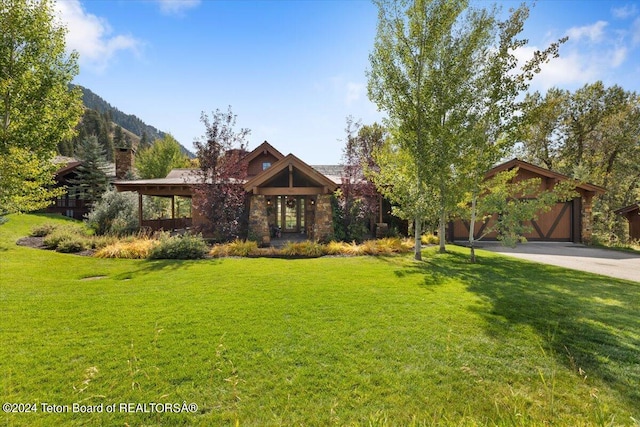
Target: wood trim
x,y
290,191
537,228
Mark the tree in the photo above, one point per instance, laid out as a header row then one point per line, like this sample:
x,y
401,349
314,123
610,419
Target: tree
x,y
443,77
593,135
26,182
507,206
358,199
37,108
90,181
220,196
396,177
157,160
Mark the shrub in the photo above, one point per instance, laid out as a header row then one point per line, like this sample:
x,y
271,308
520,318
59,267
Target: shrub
x,y
43,230
307,249
429,239
385,246
242,248
73,244
342,248
135,249
66,232
116,213
179,247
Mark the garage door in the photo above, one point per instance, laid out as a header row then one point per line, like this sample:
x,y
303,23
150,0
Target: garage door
x,y
559,224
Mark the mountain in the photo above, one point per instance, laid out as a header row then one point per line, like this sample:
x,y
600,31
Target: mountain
x,y
127,121
111,126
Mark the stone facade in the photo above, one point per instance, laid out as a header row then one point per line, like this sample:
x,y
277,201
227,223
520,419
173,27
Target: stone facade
x,y
258,220
125,158
323,227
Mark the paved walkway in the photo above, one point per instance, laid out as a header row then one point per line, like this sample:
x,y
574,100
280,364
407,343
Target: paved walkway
x,y
622,265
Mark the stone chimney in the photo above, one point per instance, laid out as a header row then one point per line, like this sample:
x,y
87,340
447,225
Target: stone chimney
x,y
124,161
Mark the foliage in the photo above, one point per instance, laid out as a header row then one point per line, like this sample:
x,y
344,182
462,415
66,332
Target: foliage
x,y
157,160
241,248
445,75
185,246
220,195
116,213
591,134
397,180
91,181
67,238
140,248
43,230
92,124
26,182
429,239
516,204
357,199
305,249
37,108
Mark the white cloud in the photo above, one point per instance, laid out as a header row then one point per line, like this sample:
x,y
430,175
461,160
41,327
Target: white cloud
x,y
593,32
618,56
176,7
91,36
354,92
624,12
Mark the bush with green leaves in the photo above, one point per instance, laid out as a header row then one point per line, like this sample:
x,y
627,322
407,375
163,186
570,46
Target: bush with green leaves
x,y
186,246
44,229
67,238
116,213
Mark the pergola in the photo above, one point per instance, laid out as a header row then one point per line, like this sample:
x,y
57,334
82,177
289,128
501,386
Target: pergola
x,y
176,184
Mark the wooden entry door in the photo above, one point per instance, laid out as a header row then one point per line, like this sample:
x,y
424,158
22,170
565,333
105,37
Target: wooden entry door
x,y
291,213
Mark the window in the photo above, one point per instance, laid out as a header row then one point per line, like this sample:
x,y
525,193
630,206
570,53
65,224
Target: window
x,y
266,165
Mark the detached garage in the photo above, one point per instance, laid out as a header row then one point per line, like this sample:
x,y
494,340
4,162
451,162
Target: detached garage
x,y
632,213
565,222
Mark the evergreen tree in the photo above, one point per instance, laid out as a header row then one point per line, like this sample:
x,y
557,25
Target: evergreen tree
x,y
91,180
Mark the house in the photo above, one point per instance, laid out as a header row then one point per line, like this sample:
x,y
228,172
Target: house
x,y
73,204
632,213
283,192
569,221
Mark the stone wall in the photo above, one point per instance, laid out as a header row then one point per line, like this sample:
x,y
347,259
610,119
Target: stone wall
x,y
258,220
125,158
323,227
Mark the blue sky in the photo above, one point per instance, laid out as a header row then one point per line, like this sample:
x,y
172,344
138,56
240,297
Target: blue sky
x,y
293,71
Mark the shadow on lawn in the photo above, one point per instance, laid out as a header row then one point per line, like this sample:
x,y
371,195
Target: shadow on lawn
x,y
591,322
164,265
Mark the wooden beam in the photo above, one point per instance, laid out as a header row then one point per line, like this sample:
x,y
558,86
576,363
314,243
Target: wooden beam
x,y
290,191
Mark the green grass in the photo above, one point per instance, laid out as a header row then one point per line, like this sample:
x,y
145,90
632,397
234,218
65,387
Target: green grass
x,y
327,341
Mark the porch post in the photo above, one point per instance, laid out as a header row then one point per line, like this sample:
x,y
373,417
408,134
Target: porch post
x,y
258,219
324,218
140,210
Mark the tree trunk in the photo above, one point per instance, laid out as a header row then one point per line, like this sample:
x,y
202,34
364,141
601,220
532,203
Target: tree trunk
x,y
418,238
442,230
472,228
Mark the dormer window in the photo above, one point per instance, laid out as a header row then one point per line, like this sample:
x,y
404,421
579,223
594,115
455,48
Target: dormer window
x,y
266,165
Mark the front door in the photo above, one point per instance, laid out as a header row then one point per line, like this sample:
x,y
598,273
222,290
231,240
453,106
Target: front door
x,y
291,212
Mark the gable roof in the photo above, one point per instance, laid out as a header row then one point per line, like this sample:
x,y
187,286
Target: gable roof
x,y
628,209
517,163
263,148
293,161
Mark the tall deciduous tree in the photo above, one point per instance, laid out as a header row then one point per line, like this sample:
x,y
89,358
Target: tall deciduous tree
x,y
441,71
592,134
220,195
37,108
157,160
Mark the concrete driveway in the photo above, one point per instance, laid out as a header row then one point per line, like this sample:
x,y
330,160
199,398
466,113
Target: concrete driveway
x,y
607,262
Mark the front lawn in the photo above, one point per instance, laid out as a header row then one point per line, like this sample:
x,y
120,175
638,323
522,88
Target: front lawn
x,y
326,341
